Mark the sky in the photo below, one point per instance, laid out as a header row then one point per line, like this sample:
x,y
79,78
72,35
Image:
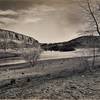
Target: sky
x,y
45,20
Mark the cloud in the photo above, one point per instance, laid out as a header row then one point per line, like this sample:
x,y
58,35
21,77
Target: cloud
x,y
38,10
31,20
8,17
15,4
47,18
7,20
30,15
8,12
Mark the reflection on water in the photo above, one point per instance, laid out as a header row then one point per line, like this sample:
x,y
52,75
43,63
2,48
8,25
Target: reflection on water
x,y
9,62
77,53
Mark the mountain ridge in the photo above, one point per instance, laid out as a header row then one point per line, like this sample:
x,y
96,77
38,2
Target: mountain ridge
x,y
79,42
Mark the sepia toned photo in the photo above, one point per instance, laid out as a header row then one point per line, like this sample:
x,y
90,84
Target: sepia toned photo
x,y
49,49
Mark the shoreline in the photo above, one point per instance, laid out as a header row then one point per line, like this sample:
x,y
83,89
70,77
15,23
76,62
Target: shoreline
x,y
51,79
53,67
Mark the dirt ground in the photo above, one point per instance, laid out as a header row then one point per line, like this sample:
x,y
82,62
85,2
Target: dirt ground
x,y
59,79
81,86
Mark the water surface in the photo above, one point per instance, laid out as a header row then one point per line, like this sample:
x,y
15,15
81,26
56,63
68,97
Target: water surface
x,y
77,53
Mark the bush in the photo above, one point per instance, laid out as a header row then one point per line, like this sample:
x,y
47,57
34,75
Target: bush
x,y
31,55
13,81
28,79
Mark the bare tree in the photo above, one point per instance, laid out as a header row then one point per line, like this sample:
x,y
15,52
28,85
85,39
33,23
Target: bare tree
x,y
91,11
5,41
30,53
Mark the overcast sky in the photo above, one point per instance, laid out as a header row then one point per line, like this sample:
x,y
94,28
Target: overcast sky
x,y
44,20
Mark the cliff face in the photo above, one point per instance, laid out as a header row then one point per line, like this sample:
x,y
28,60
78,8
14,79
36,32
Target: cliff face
x,y
12,40
14,44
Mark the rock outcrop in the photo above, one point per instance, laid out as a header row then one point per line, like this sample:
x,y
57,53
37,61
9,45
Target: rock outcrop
x,y
12,44
13,38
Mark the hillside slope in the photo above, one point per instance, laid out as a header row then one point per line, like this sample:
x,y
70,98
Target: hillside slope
x,y
80,42
10,39
13,43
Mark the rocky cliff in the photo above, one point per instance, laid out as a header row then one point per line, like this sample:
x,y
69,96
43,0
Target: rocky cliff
x,y
14,44
10,39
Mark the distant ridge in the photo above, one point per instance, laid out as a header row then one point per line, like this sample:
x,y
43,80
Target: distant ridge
x,y
80,42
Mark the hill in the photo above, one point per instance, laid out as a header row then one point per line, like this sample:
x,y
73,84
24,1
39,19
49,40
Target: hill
x,y
80,42
12,40
14,44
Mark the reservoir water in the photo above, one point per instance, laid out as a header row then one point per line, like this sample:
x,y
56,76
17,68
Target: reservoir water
x,y
77,53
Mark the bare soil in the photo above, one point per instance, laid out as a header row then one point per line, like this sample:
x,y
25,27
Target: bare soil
x,y
75,87
63,79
